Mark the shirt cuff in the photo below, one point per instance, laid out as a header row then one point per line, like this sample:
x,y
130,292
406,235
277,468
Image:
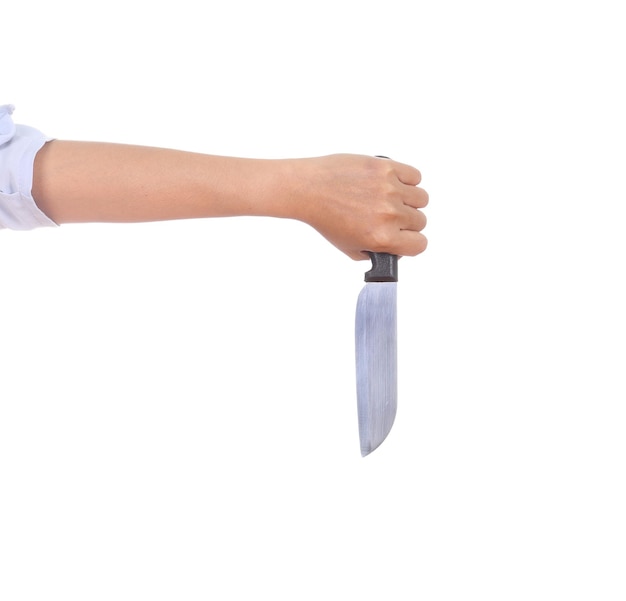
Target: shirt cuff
x,y
19,145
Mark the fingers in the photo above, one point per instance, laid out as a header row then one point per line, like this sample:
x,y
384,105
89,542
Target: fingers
x,y
408,178
405,243
411,243
401,234
414,197
413,221
407,175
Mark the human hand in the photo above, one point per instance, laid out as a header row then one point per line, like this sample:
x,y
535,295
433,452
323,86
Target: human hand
x,y
361,203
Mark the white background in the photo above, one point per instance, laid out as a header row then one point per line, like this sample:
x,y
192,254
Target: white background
x,y
177,409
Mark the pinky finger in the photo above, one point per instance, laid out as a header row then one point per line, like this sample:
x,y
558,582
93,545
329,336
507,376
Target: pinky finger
x,y
411,243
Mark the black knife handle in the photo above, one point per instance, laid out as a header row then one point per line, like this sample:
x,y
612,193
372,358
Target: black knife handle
x,y
384,268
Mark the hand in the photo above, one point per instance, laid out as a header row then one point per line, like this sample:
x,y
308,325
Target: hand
x,y
361,203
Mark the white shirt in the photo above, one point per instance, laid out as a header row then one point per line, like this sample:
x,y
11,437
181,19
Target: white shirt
x,y
18,146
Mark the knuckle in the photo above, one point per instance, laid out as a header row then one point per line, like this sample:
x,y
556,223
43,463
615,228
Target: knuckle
x,y
381,240
388,212
379,169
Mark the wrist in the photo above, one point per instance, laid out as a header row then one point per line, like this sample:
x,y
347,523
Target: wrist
x,y
288,189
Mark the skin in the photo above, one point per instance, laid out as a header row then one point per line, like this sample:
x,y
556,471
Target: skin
x,y
356,202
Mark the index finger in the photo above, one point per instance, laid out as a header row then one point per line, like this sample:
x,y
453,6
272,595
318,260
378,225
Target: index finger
x,y
408,175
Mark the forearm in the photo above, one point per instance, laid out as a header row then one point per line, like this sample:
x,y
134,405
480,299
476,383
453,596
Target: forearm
x,y
91,181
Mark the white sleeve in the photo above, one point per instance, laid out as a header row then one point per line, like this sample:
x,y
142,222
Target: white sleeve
x,y
18,146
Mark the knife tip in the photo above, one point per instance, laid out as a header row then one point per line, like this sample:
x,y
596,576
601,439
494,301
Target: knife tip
x,y
366,450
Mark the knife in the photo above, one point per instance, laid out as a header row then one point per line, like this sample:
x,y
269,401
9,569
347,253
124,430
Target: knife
x,y
376,351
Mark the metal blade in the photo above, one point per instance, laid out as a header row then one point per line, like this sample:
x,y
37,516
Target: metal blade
x,y
376,362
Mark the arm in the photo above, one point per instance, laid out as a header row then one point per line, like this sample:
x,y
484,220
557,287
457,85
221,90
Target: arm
x,y
358,203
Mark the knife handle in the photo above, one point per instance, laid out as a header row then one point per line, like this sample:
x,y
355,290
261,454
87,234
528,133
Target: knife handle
x,y
384,268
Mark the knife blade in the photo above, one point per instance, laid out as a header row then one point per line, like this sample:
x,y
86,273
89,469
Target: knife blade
x,y
376,352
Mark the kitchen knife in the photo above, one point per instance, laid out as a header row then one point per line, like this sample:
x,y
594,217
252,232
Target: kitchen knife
x,y
376,352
